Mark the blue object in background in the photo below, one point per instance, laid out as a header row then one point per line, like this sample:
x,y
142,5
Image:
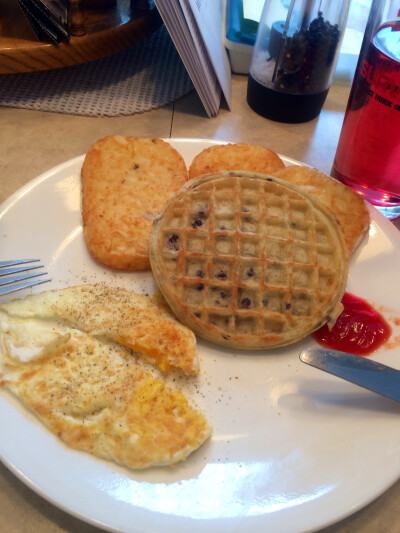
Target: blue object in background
x,y
240,29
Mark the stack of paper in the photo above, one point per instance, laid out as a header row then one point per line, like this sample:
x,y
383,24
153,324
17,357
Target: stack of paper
x,y
196,29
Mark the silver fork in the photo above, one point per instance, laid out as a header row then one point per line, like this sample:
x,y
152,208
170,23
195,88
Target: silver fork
x,y
12,279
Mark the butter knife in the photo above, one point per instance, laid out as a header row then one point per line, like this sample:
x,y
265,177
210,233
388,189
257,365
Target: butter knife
x,y
359,370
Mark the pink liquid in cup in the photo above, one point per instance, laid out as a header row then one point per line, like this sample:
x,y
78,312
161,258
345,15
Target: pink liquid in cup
x,y
368,153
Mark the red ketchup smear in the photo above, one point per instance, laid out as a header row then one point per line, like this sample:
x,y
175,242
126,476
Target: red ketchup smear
x,y
359,329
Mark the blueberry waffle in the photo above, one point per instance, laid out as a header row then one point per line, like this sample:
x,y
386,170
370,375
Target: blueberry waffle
x,y
247,260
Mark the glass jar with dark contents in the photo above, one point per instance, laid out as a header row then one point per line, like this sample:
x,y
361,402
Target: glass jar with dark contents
x,y
294,57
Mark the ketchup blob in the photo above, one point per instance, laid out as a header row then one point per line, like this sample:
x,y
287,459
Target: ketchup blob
x,y
359,329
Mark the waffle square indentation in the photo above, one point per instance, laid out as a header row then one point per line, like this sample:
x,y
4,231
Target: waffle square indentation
x,y
303,254
224,204
276,250
274,302
250,246
274,208
275,228
198,219
176,219
276,274
301,231
171,266
225,223
220,321
248,298
249,224
193,294
197,242
250,273
250,186
224,245
200,203
250,206
304,278
325,259
301,304
272,326
172,241
196,267
220,297
222,270
300,211
224,187
246,325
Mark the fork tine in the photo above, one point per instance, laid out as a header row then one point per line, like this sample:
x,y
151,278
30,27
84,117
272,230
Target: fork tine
x,y
17,262
20,277
12,288
15,270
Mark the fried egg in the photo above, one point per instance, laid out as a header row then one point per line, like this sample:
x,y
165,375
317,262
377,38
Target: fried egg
x,y
92,392
137,321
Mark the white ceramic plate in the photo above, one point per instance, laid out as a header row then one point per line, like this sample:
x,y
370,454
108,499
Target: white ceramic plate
x,y
293,448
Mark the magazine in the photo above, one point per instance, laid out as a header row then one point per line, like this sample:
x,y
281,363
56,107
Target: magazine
x,y
196,29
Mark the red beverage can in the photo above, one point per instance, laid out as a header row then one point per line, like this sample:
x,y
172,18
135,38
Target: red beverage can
x,y
368,154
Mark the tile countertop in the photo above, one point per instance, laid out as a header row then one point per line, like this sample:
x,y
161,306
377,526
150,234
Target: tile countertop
x,y
33,142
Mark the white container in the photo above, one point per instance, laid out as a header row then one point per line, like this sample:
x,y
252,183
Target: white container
x,y
239,56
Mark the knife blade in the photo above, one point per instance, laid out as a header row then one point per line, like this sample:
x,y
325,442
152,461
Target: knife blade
x,y
366,373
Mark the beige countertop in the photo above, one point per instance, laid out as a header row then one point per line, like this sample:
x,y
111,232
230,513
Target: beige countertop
x,y
33,142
